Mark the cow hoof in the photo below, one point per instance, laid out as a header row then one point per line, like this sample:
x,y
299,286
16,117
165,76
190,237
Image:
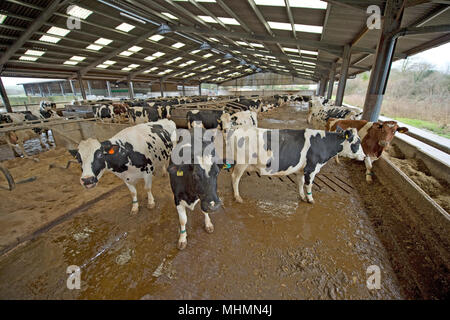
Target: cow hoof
x,y
134,211
210,228
239,200
182,245
151,205
311,201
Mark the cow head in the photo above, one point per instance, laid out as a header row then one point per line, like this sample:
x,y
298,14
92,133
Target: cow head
x,y
92,156
385,132
351,146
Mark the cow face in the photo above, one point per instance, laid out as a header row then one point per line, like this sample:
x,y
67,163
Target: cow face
x,y
351,145
385,132
91,155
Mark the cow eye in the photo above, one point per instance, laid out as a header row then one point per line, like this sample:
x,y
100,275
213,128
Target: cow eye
x,y
99,155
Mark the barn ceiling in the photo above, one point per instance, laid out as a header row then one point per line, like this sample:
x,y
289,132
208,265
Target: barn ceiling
x,y
195,41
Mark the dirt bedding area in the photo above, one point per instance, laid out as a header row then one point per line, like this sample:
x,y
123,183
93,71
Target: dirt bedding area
x,y
272,246
437,189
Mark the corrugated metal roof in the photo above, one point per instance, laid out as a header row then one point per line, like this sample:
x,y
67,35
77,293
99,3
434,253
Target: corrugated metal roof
x,y
259,34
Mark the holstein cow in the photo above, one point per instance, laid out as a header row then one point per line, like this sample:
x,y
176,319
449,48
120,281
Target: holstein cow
x,y
135,153
283,152
194,179
375,137
19,137
243,118
209,119
319,115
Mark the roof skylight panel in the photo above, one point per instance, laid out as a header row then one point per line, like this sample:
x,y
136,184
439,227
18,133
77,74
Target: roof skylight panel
x,y
214,39
78,58
133,66
195,51
158,54
126,53
2,18
28,58
207,55
151,69
126,69
290,49
169,15
150,58
71,62
309,52
310,4
226,62
156,37
190,62
135,49
109,62
208,19
103,66
58,31
79,12
258,45
298,27
242,43
125,27
50,39
94,47
103,41
231,21
178,45
34,53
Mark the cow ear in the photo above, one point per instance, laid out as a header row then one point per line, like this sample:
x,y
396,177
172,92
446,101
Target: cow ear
x,y
73,152
112,150
402,130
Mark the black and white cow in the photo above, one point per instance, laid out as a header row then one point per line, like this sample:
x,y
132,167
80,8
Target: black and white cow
x,y
208,119
193,172
135,153
242,118
284,152
319,115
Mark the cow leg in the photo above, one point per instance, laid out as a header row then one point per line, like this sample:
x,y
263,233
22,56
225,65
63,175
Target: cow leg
x,y
182,241
337,159
189,125
238,171
148,187
135,204
369,174
309,179
209,227
13,148
301,183
41,140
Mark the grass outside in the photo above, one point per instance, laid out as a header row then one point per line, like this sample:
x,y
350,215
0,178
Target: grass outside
x,y
436,128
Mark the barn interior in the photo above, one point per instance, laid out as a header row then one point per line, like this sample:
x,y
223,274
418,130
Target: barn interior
x,y
273,246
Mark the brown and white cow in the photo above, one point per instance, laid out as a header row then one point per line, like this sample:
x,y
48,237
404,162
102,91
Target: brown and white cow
x,y
375,137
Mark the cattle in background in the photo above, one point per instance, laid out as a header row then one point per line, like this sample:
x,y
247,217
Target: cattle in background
x,y
210,119
251,104
242,118
19,137
375,137
319,115
135,153
284,152
195,180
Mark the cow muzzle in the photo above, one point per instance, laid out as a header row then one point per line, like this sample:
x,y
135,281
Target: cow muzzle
x,y
89,182
383,143
212,206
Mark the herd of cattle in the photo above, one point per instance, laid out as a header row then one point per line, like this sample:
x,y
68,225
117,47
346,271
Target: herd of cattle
x,y
228,140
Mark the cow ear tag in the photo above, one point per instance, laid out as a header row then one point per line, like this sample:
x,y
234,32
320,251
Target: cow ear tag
x,y
227,166
179,173
111,151
346,136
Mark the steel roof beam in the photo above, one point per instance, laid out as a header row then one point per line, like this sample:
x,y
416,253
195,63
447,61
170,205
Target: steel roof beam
x,y
28,33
